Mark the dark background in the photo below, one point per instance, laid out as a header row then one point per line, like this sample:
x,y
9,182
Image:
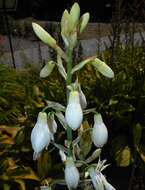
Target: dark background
x,y
100,11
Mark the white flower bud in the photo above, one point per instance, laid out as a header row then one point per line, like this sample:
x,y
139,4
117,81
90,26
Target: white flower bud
x,y
74,114
99,133
40,136
72,175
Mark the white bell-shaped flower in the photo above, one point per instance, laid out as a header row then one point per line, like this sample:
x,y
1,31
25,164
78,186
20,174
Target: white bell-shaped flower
x,y
96,179
99,133
41,135
74,114
72,175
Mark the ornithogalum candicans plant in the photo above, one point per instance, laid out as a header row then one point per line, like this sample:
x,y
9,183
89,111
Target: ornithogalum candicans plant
x,y
71,116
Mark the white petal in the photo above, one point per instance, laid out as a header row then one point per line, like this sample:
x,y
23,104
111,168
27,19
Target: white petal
x,y
74,115
99,135
40,136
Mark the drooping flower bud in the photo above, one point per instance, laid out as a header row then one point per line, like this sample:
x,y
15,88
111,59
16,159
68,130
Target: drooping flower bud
x,y
72,175
74,15
99,133
74,114
47,69
43,35
103,68
40,136
83,22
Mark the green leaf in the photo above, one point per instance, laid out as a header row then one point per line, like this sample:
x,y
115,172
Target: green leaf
x,y
85,141
6,186
44,165
121,151
142,151
61,147
55,106
47,69
21,183
137,132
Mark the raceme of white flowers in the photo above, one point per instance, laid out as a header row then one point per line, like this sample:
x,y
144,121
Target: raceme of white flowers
x,y
99,133
71,116
73,113
72,175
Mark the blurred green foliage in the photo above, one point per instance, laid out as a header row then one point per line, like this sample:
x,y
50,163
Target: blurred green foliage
x,y
120,100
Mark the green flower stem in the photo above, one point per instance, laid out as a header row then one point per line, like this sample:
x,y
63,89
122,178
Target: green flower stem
x,y
68,82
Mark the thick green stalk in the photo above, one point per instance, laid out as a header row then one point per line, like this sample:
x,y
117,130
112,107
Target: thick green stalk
x,y
68,82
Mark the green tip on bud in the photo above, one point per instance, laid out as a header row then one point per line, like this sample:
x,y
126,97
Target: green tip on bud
x,y
103,68
43,35
83,22
47,69
42,116
97,117
74,97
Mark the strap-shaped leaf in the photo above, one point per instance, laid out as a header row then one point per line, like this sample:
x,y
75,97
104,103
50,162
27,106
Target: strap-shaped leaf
x,y
82,64
60,147
54,105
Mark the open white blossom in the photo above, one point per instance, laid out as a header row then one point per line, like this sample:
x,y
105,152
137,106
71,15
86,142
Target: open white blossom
x,y
98,179
41,135
74,114
99,133
72,175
